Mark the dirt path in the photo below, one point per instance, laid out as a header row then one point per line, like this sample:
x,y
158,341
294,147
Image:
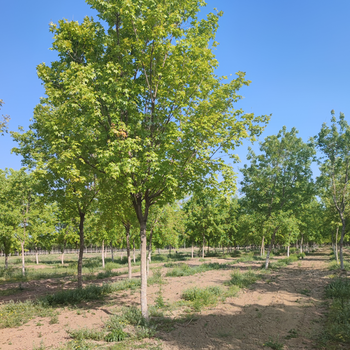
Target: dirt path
x,y
287,303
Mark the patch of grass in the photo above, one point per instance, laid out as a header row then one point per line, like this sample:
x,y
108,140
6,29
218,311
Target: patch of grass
x,y
282,262
85,333
242,279
202,297
187,270
333,266
15,314
338,320
54,319
292,333
76,296
10,291
274,344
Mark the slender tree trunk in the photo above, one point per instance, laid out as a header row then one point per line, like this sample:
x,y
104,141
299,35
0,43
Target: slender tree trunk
x,y
336,245
6,261
103,254
149,251
203,247
81,250
144,307
36,257
112,252
127,231
270,248
134,253
192,251
208,247
341,257
23,262
301,244
262,250
288,250
62,258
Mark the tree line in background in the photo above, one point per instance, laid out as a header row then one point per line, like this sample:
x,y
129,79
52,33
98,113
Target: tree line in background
x,y
127,147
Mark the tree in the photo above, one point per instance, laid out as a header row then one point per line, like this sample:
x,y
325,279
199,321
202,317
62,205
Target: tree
x,y
140,102
279,179
334,143
207,212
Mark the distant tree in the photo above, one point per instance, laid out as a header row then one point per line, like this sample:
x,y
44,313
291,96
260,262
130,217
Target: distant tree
x,y
279,180
334,143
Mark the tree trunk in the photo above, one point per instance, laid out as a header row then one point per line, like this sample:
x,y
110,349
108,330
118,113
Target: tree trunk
x,y
103,253
262,250
208,247
192,252
6,261
62,258
288,250
23,262
81,250
36,257
203,246
341,245
301,244
336,245
134,253
127,231
149,251
270,248
144,307
112,252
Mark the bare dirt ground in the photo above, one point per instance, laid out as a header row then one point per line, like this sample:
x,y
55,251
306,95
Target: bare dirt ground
x,y
285,307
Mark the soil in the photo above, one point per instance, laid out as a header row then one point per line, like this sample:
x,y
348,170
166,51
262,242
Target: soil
x,y
285,307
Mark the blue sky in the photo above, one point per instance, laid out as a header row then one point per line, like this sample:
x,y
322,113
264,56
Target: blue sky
x,y
296,53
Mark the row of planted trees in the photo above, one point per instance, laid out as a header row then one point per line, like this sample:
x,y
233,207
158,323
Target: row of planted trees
x,y
134,118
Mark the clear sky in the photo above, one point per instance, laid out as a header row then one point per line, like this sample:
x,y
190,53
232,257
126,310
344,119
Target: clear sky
x,y
296,53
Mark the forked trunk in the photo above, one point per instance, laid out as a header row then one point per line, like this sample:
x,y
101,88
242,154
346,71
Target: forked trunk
x,y
81,250
103,253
